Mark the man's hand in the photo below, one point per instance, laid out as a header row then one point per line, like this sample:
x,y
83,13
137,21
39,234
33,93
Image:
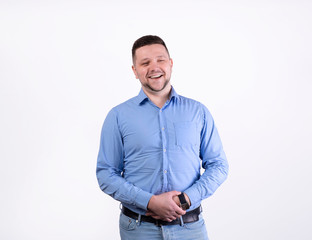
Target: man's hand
x,y
165,206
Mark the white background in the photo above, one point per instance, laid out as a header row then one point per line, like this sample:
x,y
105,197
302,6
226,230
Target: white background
x,y
65,64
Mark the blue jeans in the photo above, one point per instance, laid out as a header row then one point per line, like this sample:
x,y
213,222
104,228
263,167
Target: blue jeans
x,y
130,229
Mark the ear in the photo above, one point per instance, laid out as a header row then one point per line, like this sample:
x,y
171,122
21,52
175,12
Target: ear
x,y
134,71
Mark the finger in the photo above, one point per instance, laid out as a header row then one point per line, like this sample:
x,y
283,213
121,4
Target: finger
x,y
151,214
179,210
177,216
173,214
176,200
172,218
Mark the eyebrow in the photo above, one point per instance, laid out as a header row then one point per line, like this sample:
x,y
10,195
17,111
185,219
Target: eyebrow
x,y
160,56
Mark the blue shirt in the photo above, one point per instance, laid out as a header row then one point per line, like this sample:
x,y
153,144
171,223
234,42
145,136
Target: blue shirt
x,y
145,150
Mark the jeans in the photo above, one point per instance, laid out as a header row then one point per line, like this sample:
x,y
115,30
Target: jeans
x,y
130,229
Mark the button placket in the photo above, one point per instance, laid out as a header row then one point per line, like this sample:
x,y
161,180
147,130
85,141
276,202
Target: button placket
x,y
165,150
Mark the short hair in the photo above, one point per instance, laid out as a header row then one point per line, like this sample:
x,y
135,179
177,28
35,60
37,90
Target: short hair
x,y
147,40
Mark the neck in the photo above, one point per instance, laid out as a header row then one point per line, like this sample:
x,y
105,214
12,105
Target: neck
x,y
159,98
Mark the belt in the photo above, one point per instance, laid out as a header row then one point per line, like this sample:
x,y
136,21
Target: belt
x,y
191,216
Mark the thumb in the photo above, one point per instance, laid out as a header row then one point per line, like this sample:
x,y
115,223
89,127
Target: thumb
x,y
175,193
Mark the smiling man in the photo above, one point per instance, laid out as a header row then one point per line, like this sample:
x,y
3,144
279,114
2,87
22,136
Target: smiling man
x,y
152,66
151,151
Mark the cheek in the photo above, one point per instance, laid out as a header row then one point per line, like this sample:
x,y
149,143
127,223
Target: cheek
x,y
168,70
141,74
137,74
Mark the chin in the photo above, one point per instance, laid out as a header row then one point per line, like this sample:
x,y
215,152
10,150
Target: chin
x,y
158,89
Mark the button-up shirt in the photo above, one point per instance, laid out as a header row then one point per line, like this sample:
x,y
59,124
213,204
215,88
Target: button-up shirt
x,y
146,150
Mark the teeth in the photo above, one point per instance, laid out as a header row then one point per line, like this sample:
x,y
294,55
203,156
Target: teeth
x,y
156,76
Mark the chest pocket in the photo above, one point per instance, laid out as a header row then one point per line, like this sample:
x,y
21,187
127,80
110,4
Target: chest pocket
x,y
186,134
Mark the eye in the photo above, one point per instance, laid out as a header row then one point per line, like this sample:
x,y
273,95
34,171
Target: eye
x,y
144,64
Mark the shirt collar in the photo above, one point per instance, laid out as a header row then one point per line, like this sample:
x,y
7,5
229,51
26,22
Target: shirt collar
x,y
142,96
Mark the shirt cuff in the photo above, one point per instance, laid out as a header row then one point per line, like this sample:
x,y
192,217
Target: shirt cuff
x,y
142,199
193,195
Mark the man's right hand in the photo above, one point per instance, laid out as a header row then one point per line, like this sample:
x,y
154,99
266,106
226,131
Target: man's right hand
x,y
164,207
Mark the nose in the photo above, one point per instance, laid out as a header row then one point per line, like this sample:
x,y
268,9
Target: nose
x,y
154,66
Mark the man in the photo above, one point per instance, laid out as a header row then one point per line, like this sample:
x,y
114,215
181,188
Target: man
x,y
151,151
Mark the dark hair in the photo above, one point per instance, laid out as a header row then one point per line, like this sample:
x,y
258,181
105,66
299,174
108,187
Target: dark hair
x,y
147,40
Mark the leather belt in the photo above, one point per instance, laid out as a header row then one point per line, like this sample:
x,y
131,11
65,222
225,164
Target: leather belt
x,y
191,216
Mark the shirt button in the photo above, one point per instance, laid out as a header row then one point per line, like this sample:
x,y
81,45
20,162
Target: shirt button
x,y
163,128
160,110
165,171
165,150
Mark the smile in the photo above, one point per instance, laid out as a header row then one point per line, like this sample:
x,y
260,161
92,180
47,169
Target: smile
x,y
156,76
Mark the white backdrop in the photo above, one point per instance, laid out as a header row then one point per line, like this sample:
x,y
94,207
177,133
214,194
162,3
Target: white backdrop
x,y
65,64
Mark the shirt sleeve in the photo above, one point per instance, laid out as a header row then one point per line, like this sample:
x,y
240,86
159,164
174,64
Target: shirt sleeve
x,y
213,161
110,165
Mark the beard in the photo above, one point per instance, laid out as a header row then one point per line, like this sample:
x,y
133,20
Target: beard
x,y
148,86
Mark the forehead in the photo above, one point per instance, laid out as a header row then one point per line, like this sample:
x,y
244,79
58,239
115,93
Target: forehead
x,y
151,51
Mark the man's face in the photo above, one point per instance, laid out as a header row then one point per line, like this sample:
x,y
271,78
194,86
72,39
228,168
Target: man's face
x,y
152,66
